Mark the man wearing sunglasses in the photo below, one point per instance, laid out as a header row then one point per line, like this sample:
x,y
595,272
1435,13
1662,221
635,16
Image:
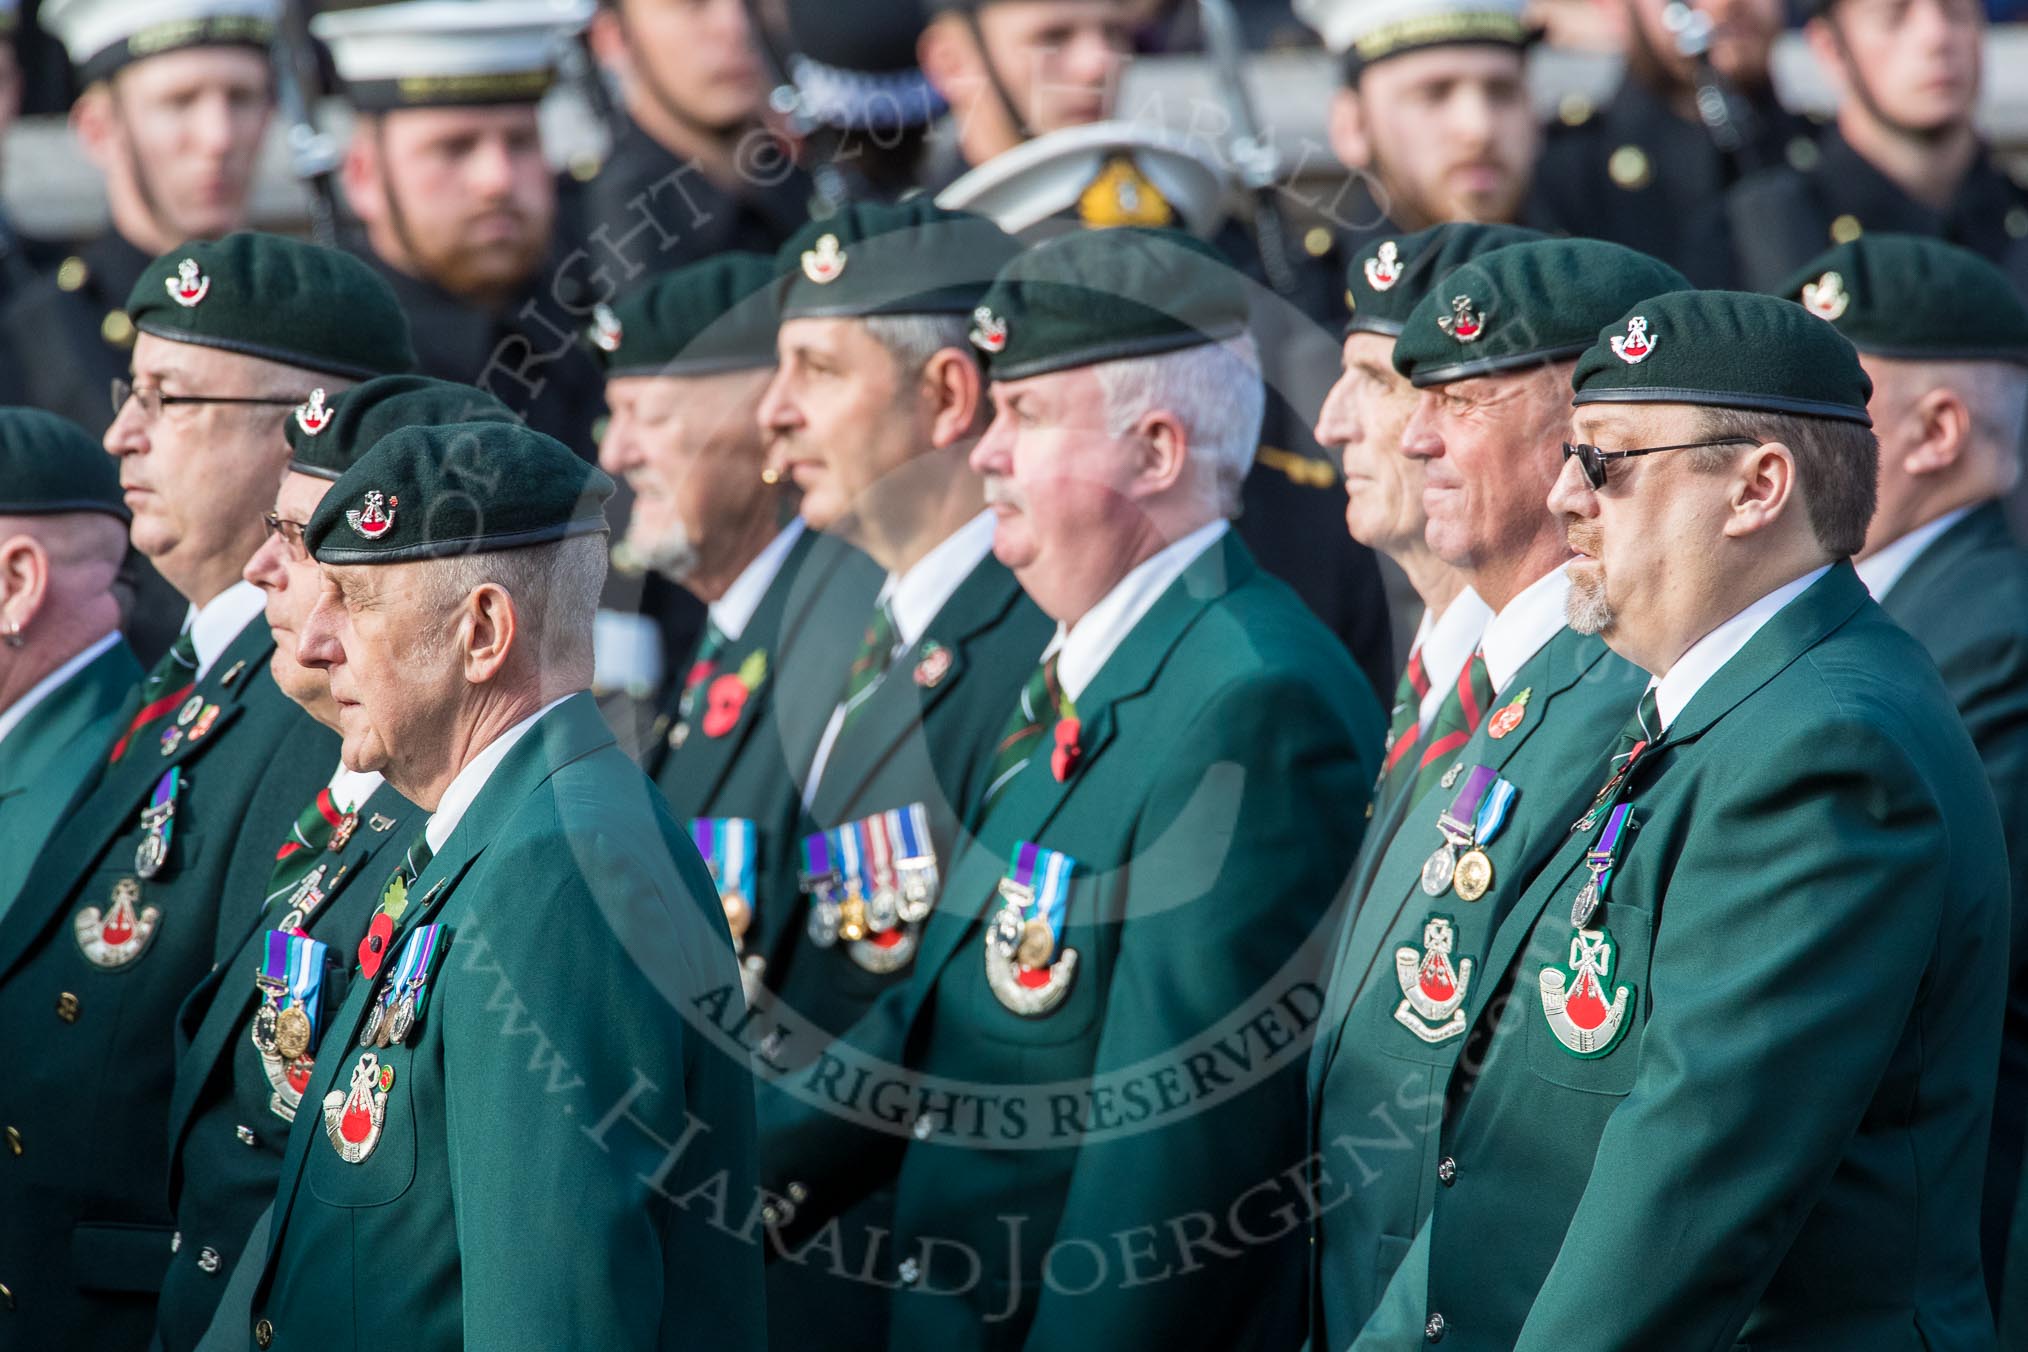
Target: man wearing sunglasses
x,y
1753,1001
154,874
1498,773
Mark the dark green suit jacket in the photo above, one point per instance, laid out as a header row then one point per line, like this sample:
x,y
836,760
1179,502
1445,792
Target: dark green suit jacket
x,y
1966,598
806,626
1783,1148
226,1134
1224,744
88,1228
915,740
565,1161
1377,1068
54,754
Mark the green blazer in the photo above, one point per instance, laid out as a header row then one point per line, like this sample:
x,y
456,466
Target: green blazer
x,y
1966,598
556,1130
54,754
1377,1067
1783,1146
82,1184
915,740
228,1120
805,629
1224,744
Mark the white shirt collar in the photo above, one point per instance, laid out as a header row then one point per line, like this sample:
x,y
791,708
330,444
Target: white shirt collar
x,y
1447,644
1082,649
1523,625
215,624
465,788
915,597
733,611
11,716
1708,655
1882,569
350,788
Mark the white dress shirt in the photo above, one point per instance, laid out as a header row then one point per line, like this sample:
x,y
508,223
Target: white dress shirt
x,y
11,716
1523,625
733,611
1881,570
1704,658
215,624
1083,649
350,788
464,789
1447,644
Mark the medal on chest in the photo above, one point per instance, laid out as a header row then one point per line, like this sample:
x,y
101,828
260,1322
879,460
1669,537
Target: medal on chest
x,y
1586,1011
285,1024
1027,965
1433,991
728,847
158,824
1470,824
398,1004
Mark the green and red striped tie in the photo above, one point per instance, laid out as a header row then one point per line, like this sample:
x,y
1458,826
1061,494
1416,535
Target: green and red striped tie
x,y
308,838
163,689
1404,732
1463,709
1038,711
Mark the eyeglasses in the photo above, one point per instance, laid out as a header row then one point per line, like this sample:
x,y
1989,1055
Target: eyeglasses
x,y
154,401
290,531
1594,460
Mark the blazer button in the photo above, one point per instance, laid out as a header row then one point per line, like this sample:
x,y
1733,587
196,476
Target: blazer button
x,y
264,1334
6,1297
208,1260
910,1272
14,1139
1434,1329
1447,1171
923,1127
67,1007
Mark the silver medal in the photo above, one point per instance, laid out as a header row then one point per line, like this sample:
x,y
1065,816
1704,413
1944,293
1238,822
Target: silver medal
x,y
1584,907
823,926
1003,936
1438,869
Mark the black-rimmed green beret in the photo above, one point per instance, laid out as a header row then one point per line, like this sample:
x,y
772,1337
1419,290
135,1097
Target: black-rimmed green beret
x,y
460,488
877,258
269,296
50,465
1523,306
1387,277
327,435
1103,295
1913,297
1725,349
702,318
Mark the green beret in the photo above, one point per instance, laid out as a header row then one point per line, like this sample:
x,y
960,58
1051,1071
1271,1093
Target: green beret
x,y
1522,306
50,464
876,258
326,436
459,488
1915,297
1387,277
269,296
1728,349
711,316
1102,295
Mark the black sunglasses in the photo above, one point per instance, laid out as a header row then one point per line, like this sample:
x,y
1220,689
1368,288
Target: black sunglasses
x,y
1594,460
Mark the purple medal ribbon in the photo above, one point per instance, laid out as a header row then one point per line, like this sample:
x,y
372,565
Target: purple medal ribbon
x,y
1457,822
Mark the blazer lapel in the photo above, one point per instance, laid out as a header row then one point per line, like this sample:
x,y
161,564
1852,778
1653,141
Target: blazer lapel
x,y
1981,528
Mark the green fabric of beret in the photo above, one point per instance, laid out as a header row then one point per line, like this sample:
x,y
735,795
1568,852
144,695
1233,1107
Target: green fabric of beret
x,y
1727,349
878,258
327,435
1522,306
457,488
1102,295
706,317
1387,277
50,464
265,295
1913,297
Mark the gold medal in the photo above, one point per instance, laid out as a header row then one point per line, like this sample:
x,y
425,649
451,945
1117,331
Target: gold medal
x,y
1474,874
738,915
292,1033
1037,944
852,918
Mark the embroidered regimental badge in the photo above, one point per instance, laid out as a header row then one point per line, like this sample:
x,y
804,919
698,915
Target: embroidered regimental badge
x,y
311,415
188,286
989,331
824,263
120,932
1633,346
375,518
353,1117
1432,990
1574,996
1464,323
606,332
1383,270
1826,298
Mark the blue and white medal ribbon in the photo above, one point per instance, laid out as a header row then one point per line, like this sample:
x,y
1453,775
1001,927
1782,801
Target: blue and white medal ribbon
x,y
915,861
1024,966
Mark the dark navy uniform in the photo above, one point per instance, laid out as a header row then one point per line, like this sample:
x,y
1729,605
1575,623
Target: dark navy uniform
x,y
68,335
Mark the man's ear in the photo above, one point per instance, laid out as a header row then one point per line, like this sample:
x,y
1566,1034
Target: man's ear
x,y
608,37
955,392
1943,432
1347,129
491,629
360,173
944,52
96,123
24,582
1162,453
1764,489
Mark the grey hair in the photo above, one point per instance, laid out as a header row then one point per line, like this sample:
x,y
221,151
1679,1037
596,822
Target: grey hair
x,y
1996,394
555,589
913,339
1213,389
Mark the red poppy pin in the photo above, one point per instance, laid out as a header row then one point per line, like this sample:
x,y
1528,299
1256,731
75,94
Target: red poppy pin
x,y
1063,760
726,696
